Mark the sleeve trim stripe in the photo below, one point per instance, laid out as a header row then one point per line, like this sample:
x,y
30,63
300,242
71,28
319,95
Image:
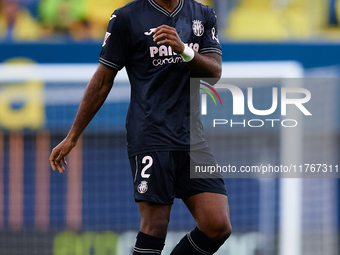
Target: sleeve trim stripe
x,y
204,49
210,50
110,64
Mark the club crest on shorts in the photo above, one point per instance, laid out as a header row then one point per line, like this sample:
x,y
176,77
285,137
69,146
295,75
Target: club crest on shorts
x,y
143,187
198,28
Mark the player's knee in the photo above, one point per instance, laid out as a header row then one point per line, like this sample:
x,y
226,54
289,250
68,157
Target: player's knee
x,y
222,232
225,232
155,227
219,231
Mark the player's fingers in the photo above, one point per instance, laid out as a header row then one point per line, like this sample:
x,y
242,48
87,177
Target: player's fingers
x,y
164,36
161,36
53,155
165,41
64,161
55,161
177,46
52,158
61,157
53,165
167,30
162,27
60,167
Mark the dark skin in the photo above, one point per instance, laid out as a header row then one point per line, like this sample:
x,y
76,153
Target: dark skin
x,y
169,5
154,218
94,97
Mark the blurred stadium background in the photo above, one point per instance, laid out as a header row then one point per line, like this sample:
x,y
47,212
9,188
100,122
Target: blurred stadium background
x,y
48,51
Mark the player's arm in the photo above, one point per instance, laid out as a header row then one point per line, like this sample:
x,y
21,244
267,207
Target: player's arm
x,y
95,94
206,66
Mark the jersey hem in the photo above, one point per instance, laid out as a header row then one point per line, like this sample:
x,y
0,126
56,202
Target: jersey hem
x,y
189,148
153,149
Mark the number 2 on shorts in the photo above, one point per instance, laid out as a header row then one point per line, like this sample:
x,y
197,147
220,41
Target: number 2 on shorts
x,y
149,161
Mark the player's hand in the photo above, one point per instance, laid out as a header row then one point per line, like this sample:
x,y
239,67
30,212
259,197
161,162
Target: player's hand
x,y
168,35
59,153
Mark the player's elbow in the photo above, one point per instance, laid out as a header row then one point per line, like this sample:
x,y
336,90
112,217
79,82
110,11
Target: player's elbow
x,y
215,76
214,68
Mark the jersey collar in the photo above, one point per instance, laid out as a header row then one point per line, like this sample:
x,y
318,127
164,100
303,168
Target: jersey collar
x,y
165,11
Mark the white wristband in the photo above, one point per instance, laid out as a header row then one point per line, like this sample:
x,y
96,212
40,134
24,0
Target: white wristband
x,y
188,54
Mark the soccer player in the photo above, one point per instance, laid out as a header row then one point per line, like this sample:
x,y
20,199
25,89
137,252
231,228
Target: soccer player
x,y
162,43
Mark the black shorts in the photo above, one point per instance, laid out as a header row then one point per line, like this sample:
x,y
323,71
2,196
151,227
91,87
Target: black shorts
x,y
163,175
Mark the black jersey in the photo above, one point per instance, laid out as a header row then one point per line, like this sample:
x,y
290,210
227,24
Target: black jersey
x,y
158,118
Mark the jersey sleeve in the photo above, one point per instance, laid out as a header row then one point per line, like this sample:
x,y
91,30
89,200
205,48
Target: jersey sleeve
x,y
117,43
210,42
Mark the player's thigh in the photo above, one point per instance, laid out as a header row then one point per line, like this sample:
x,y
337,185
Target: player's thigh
x,y
154,218
211,212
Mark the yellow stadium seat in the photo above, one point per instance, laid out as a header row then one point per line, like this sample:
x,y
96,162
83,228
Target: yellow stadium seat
x,y
256,20
261,20
206,2
298,23
98,12
26,28
101,10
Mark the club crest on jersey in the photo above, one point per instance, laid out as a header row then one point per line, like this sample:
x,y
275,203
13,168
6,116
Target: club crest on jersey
x,y
198,28
143,187
107,35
